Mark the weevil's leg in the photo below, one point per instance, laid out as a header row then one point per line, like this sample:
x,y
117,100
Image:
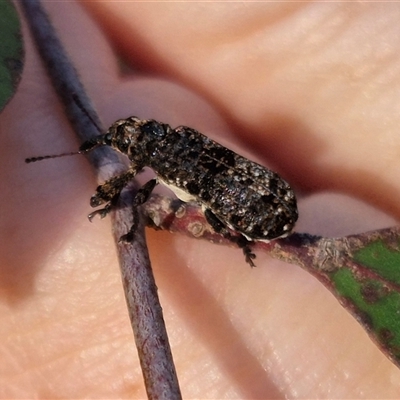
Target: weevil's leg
x,y
109,193
141,197
144,192
109,189
106,209
245,244
240,241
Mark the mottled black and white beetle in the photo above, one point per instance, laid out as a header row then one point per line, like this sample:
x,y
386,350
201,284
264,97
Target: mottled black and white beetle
x,y
234,192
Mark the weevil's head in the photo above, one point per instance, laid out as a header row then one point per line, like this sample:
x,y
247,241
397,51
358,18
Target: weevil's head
x,y
119,136
137,138
128,136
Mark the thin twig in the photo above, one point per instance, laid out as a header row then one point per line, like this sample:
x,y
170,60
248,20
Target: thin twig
x,y
140,289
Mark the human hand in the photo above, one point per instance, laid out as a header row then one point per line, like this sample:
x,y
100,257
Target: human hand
x,y
298,90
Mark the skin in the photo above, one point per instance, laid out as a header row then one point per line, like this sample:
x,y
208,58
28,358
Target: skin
x,y
308,88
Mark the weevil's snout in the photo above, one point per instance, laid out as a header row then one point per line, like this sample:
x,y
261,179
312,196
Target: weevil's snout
x,y
101,140
91,144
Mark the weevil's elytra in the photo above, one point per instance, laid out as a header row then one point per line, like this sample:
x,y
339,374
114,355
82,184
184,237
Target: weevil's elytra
x,y
235,192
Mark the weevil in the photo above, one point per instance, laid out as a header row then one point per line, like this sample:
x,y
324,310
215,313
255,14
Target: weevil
x,y
234,192
237,195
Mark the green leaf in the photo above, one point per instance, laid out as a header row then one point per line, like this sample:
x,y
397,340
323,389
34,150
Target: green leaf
x,y
376,306
383,259
11,51
366,280
362,271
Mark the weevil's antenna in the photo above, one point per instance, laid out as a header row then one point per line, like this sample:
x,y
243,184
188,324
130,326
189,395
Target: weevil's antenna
x,y
34,159
88,145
